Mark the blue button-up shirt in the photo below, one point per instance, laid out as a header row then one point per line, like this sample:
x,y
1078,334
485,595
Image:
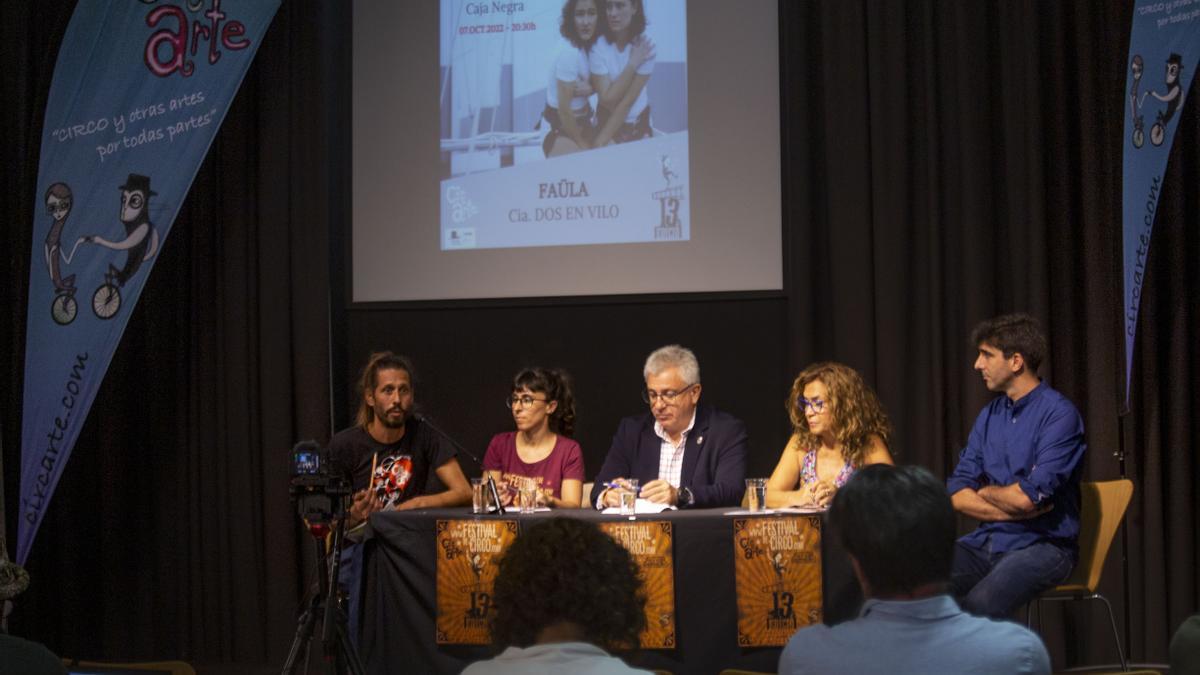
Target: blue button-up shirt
x,y
922,637
1037,443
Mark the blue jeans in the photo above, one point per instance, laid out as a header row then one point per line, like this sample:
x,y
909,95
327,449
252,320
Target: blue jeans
x,y
350,578
996,584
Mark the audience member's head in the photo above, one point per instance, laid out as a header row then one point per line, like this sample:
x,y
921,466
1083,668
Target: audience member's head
x,y
897,523
18,655
1185,647
565,580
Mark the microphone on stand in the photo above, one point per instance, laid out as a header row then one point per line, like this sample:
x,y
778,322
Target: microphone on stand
x,y
491,482
423,419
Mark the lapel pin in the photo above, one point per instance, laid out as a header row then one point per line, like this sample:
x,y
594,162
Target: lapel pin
x,y
699,440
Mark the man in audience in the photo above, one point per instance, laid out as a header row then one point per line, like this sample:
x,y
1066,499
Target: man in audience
x,y
682,453
1185,647
565,593
1019,475
897,525
23,657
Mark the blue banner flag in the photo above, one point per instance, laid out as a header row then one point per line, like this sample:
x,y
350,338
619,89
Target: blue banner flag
x,y
139,91
1164,44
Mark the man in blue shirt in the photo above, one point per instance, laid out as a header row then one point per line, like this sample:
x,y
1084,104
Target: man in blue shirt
x,y
897,526
1019,476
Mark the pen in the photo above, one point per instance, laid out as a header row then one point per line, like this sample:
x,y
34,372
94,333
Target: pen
x,y
615,485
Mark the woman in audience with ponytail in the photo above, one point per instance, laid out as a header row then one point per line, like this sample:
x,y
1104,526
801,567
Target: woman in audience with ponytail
x,y
540,453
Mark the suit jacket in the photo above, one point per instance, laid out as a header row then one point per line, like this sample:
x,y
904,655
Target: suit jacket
x,y
714,458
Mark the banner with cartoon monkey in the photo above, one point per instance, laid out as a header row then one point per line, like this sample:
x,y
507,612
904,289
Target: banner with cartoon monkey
x,y
1164,43
139,91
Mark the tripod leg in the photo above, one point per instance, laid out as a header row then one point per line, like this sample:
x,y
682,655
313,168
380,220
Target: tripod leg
x,y
308,621
304,633
346,648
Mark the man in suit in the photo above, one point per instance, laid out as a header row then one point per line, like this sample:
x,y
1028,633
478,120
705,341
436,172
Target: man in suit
x,y
682,453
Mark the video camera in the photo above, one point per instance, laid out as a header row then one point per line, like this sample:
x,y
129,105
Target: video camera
x,y
319,491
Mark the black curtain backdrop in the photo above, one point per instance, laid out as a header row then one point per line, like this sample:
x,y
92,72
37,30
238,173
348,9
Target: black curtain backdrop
x,y
943,162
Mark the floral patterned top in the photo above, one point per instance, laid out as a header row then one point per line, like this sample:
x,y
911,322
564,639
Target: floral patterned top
x,y
808,470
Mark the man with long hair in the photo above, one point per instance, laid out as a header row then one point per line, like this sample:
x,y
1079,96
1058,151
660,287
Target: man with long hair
x,y
388,453
389,456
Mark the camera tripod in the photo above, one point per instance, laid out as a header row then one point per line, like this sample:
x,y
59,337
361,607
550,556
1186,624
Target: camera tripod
x,y
325,603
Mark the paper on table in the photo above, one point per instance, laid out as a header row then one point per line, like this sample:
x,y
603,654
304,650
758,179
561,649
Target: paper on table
x,y
642,506
802,509
784,509
516,510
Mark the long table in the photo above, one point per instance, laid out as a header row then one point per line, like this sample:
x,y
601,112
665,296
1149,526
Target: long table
x,y
398,615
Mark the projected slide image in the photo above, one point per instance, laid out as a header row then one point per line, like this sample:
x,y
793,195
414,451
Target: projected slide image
x,y
563,122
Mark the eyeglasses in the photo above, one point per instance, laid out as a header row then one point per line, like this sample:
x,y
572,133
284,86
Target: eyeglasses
x,y
816,404
525,402
650,396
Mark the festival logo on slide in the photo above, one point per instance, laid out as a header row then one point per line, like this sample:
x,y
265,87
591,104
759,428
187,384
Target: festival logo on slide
x,y
563,122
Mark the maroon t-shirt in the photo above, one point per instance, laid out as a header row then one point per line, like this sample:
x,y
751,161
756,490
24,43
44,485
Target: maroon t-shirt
x,y
564,461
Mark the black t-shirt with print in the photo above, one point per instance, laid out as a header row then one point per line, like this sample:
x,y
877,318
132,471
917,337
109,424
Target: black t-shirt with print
x,y
402,469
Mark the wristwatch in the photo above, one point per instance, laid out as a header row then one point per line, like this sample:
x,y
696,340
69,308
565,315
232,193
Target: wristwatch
x,y
686,497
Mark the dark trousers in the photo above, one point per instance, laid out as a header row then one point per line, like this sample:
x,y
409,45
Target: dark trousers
x,y
996,584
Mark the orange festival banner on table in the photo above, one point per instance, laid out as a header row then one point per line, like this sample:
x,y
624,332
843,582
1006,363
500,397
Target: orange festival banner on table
x,y
650,542
468,552
778,571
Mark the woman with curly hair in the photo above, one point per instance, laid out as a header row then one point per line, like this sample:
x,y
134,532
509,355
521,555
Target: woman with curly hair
x,y
568,110
565,593
540,453
839,427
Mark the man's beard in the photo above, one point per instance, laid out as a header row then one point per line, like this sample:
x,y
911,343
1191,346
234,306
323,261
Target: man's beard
x,y
390,422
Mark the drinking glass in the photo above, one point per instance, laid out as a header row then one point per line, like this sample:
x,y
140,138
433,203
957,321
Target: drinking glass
x,y
478,502
628,493
756,493
528,497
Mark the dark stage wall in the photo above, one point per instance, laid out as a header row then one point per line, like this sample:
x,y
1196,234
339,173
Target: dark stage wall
x,y
943,162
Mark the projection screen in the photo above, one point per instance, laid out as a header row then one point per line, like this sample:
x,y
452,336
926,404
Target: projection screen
x,y
505,149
